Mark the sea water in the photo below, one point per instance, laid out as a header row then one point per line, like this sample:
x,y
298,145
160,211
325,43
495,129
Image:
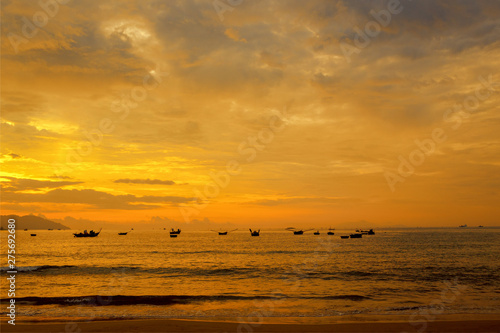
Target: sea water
x,y
199,274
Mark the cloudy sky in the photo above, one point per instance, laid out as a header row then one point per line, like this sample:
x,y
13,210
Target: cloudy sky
x,y
274,113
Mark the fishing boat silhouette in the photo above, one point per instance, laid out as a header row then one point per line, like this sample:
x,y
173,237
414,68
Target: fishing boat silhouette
x,y
223,233
298,231
255,232
175,232
92,233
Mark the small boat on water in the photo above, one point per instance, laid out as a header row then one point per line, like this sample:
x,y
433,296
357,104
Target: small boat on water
x,y
463,226
25,229
173,235
223,233
92,233
371,232
330,232
255,232
175,232
316,232
124,233
298,231
480,226
344,237
33,235
356,235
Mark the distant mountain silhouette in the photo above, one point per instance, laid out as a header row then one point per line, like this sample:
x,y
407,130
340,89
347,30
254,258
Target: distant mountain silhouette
x,y
31,222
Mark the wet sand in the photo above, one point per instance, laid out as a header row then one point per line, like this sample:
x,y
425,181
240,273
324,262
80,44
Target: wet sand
x,y
486,323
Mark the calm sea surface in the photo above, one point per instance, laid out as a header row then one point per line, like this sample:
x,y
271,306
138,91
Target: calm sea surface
x,y
147,274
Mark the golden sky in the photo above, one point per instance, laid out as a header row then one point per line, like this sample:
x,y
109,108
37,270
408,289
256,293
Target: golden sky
x,y
274,113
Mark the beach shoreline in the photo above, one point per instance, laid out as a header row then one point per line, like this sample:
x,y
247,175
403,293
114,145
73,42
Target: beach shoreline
x,y
444,323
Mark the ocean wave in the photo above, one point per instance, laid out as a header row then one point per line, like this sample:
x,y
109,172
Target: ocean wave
x,y
432,278
297,252
353,275
348,297
238,272
405,308
169,272
69,269
241,272
34,268
117,300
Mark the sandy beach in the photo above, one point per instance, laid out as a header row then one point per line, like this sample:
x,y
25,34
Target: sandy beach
x,y
483,323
